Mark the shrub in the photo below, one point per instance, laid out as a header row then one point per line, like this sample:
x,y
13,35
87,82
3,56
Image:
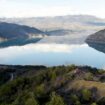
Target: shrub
x,y
89,76
86,94
31,101
26,98
101,101
77,103
40,90
74,98
94,103
56,100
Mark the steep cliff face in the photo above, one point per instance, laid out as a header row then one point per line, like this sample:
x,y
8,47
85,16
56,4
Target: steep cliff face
x,y
98,37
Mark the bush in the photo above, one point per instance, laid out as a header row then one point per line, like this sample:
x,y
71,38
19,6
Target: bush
x,y
94,103
31,101
77,103
40,90
86,94
75,100
26,98
101,101
56,100
88,76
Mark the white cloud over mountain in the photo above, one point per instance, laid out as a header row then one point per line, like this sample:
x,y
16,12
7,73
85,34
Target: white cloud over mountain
x,y
31,8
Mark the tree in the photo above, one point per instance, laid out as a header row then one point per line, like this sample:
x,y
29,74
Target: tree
x,y
77,103
40,90
86,94
26,99
31,101
56,100
94,103
75,100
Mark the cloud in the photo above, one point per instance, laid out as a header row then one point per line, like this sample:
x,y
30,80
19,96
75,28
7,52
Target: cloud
x,y
32,52
34,8
16,50
21,10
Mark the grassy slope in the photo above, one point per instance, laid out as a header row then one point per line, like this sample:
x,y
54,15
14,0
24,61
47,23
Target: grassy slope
x,y
79,84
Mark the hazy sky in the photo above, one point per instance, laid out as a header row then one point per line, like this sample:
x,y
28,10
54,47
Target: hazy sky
x,y
34,8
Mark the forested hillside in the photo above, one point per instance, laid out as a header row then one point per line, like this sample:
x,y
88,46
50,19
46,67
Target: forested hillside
x,y
61,85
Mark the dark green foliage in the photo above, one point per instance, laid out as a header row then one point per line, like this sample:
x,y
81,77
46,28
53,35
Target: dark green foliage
x,y
55,100
26,99
39,90
94,103
86,94
101,101
102,79
75,99
12,89
4,77
47,86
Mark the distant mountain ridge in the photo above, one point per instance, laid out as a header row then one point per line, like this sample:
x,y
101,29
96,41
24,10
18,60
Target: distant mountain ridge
x,y
73,22
14,34
68,29
10,30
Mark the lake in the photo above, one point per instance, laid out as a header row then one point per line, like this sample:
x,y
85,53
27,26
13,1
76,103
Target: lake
x,y
52,55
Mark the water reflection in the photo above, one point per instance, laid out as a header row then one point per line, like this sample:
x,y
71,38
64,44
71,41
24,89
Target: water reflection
x,y
99,47
18,42
52,54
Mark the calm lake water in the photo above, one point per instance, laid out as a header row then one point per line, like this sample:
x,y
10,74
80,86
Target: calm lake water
x,y
52,54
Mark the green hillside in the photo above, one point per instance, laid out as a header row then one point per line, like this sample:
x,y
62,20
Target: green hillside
x,y
61,85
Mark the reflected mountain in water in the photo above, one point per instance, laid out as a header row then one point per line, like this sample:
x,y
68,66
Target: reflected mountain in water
x,y
52,55
97,46
19,42
17,35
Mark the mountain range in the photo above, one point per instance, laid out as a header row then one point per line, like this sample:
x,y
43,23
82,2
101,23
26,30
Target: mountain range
x,y
69,29
60,22
14,34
